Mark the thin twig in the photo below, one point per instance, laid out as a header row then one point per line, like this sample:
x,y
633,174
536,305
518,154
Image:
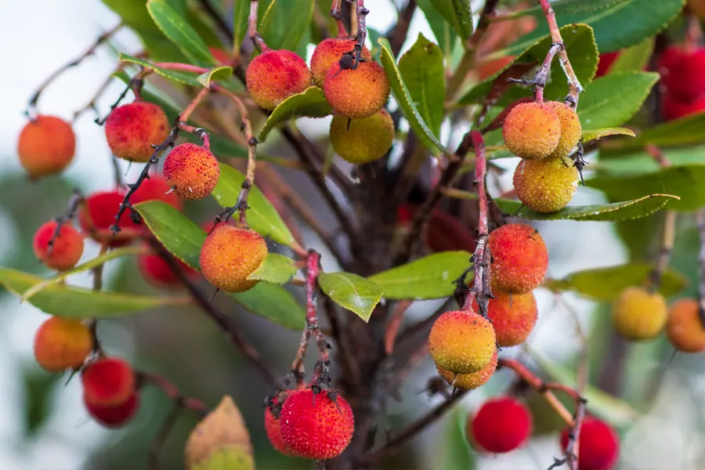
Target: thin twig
x,y
74,202
257,39
160,438
335,12
398,33
700,218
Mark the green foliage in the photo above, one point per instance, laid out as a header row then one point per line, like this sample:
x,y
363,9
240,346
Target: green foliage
x,y
687,130
458,14
352,292
284,22
634,58
181,77
443,30
214,75
274,303
310,103
275,269
241,11
175,27
589,135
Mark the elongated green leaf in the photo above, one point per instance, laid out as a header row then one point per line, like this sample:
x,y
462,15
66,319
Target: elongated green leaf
x,y
579,40
309,103
635,58
458,14
179,235
686,182
617,24
77,302
569,7
422,69
444,32
352,292
175,27
285,22
589,135
274,303
406,102
241,11
261,216
431,277
607,283
181,77
618,211
612,100
214,75
687,130
275,269
90,264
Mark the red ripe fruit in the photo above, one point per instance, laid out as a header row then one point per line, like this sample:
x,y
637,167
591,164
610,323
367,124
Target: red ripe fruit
x,y
192,171
513,317
108,382
328,53
501,425
599,445
156,189
683,72
672,107
66,250
519,259
132,129
272,425
46,146
157,272
114,416
316,427
273,76
61,344
98,213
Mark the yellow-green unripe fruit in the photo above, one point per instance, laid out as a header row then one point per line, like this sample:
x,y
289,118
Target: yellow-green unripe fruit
x,y
531,130
546,185
639,314
364,140
462,342
571,129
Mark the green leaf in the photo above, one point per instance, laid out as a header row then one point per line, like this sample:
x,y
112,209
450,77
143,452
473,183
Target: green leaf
x,y
568,7
275,269
445,34
687,130
261,215
214,75
180,77
686,182
422,69
458,14
179,235
617,23
579,40
274,303
285,22
241,12
431,277
589,135
309,103
606,284
175,27
406,102
352,292
618,211
77,302
90,264
613,99
635,58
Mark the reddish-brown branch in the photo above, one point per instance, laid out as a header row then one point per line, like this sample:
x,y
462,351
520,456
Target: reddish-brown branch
x,y
336,12
393,324
172,391
257,39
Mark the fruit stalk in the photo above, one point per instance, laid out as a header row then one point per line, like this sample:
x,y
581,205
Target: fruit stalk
x,y
668,233
700,219
75,200
257,39
335,12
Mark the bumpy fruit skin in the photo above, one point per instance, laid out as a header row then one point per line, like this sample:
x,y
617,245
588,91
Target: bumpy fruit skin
x,y
500,425
192,171
685,328
462,342
513,317
470,381
599,445
107,382
46,146
546,185
532,130
229,255
156,189
683,72
61,344
316,427
571,130
66,250
639,314
132,129
328,53
358,93
276,75
366,140
673,107
98,215
157,272
519,259
114,416
272,425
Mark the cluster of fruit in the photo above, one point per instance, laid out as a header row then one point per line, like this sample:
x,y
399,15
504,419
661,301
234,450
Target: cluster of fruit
x,y
109,384
503,424
357,90
463,345
543,135
682,70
